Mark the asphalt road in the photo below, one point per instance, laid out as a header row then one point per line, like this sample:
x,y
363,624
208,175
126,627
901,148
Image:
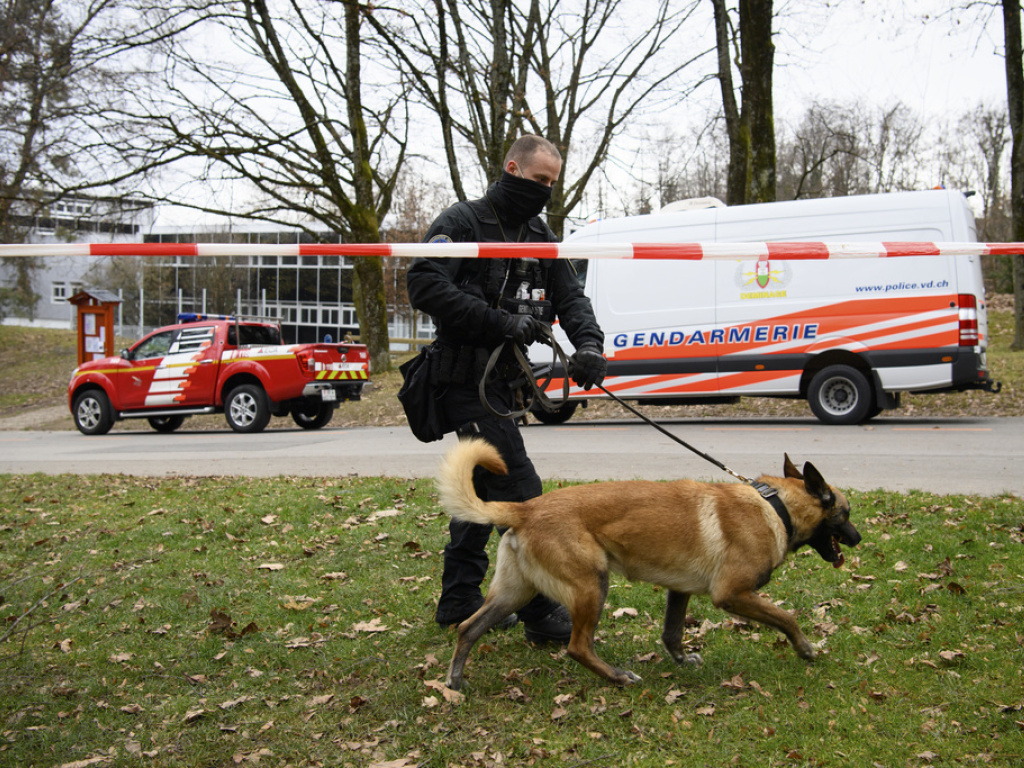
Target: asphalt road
x,y
983,456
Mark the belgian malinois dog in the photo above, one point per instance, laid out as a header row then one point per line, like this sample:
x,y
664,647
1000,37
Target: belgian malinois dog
x,y
693,538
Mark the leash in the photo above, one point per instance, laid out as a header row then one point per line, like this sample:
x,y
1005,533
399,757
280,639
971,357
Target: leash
x,y
538,396
536,381
768,493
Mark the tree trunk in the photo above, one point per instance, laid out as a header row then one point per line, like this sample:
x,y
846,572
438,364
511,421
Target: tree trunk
x,y
1015,100
739,135
757,53
750,125
369,296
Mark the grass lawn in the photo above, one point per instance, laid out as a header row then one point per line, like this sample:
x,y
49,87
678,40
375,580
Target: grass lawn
x,y
288,622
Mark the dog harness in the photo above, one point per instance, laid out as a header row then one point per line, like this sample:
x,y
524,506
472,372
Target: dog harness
x,y
771,495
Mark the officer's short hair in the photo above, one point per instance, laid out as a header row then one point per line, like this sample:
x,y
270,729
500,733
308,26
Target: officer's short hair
x,y
525,147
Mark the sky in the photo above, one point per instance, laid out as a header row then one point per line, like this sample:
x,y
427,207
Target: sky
x,y
879,52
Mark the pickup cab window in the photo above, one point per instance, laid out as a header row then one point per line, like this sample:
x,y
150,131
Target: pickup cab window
x,y
157,345
254,336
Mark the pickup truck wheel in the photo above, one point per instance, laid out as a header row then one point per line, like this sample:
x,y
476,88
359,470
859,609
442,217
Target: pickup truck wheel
x,y
92,412
166,423
247,408
312,414
559,416
840,394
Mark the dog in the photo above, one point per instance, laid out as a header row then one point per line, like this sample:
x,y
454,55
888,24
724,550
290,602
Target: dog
x,y
693,538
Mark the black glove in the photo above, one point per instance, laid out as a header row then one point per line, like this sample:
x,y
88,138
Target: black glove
x,y
587,366
522,329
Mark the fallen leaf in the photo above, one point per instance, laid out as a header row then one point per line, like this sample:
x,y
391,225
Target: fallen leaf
x,y
736,683
270,567
87,762
383,513
631,612
226,705
356,702
299,604
370,626
452,697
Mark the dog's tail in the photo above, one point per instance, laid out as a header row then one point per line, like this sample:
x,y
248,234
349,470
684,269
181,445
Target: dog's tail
x,y
455,484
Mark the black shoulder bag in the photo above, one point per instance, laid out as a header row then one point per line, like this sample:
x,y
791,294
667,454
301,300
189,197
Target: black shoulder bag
x,y
418,395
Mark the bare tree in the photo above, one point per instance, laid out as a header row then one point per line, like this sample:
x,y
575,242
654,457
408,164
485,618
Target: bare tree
x,y
751,122
55,85
277,98
1015,101
815,160
417,201
972,155
490,70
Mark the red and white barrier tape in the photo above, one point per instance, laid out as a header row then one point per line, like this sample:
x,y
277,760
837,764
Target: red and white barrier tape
x,y
640,251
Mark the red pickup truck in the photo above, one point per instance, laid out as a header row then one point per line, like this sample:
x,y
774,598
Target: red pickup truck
x,y
217,364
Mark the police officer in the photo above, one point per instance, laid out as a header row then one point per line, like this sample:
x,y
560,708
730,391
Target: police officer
x,y
476,305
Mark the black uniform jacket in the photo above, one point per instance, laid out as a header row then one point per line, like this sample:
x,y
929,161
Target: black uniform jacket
x,y
461,295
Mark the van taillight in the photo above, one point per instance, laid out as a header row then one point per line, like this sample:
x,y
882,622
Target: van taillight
x,y
968,304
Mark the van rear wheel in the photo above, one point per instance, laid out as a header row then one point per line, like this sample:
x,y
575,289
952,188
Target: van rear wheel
x,y
840,394
558,416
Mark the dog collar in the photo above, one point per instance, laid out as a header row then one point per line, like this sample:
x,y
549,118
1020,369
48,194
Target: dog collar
x,y
771,495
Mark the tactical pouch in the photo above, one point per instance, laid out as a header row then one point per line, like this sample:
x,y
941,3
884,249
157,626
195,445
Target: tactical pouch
x,y
539,308
458,364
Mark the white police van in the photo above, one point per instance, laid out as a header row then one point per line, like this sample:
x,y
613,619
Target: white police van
x,y
848,335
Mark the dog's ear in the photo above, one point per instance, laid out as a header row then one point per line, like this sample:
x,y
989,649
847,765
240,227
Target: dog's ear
x,y
817,487
790,470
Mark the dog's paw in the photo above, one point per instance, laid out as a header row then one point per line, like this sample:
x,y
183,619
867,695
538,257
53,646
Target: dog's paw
x,y
625,677
453,682
807,652
691,659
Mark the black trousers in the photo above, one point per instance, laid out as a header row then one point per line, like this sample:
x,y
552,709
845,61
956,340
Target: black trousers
x,y
465,555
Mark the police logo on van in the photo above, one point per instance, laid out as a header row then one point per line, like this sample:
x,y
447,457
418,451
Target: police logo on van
x,y
763,279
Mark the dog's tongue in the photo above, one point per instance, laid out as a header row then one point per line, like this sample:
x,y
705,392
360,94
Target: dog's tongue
x,y
840,558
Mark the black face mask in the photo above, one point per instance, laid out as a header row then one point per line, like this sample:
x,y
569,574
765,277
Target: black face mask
x,y
519,200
